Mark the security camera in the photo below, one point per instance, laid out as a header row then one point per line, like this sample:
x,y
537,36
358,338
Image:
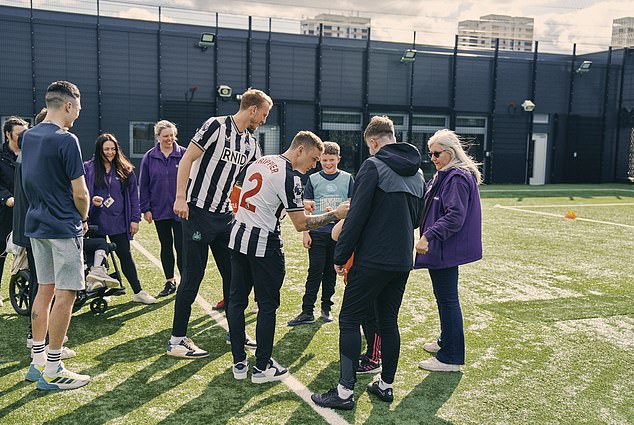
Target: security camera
x,y
528,106
224,91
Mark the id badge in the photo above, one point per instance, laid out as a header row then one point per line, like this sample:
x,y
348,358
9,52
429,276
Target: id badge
x,y
108,202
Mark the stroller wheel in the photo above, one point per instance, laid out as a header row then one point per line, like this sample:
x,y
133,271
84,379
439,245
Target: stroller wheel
x,y
19,292
98,305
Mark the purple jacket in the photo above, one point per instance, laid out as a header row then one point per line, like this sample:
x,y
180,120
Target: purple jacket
x,y
453,225
157,182
130,194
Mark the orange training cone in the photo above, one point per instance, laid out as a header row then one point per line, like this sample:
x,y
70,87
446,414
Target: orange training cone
x,y
571,214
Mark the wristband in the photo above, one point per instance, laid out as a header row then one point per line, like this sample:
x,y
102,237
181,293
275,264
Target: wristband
x,y
85,221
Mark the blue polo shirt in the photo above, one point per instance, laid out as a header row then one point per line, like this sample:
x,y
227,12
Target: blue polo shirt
x,y
328,191
51,159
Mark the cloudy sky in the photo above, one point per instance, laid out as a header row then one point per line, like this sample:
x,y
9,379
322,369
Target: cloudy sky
x,y
558,23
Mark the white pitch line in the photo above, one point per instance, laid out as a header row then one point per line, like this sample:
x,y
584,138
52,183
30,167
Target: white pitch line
x,y
616,204
627,226
290,381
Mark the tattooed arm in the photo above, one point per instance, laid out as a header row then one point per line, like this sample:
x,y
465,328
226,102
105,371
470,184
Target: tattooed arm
x,y
303,222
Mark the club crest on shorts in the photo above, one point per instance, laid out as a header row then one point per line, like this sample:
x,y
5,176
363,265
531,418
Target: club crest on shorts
x,y
197,236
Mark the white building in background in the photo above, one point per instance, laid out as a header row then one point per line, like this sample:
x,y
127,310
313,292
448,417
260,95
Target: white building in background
x,y
337,26
623,32
514,32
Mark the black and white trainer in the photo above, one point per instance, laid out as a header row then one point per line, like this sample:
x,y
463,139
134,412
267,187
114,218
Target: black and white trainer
x,y
273,372
186,349
240,370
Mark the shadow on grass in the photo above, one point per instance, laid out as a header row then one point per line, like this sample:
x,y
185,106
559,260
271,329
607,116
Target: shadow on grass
x,y
422,403
140,387
293,344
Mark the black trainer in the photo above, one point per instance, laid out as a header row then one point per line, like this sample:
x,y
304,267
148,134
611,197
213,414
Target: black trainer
x,y
367,365
302,319
273,372
332,400
385,395
170,288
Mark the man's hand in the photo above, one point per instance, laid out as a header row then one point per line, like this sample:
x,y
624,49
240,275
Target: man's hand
x,y
148,216
342,210
308,241
134,228
181,209
84,227
422,246
97,201
309,206
10,202
341,270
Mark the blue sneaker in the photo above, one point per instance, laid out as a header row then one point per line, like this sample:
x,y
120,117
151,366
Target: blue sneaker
x,y
64,379
34,373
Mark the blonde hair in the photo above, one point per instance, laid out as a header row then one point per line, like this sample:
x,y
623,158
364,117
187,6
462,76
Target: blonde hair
x,y
254,97
162,125
307,139
450,142
379,126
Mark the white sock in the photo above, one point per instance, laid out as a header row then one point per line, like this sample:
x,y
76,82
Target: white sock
x,y
175,340
344,393
384,385
100,256
39,353
53,357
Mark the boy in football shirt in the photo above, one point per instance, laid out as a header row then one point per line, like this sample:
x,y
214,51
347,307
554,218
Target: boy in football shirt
x,y
324,191
272,186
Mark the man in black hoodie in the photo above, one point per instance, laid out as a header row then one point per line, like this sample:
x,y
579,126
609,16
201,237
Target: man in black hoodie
x,y
386,207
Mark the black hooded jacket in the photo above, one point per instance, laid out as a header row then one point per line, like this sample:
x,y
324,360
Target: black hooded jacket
x,y
386,207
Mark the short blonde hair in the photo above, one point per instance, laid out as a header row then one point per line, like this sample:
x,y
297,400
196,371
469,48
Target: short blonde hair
x,y
254,97
307,139
162,125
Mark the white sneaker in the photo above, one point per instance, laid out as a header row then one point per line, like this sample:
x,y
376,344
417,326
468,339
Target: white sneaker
x,y
64,379
186,349
431,347
434,365
273,372
92,286
99,274
240,370
144,297
1,303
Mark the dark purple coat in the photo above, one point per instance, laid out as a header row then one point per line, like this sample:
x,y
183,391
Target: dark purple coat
x,y
157,182
453,225
130,195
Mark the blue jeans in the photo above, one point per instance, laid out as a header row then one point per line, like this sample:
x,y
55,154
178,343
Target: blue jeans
x,y
451,341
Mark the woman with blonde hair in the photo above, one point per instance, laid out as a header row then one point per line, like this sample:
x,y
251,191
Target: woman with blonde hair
x,y
451,235
157,185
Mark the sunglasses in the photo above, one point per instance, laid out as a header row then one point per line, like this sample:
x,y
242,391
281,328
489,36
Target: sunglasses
x,y
436,154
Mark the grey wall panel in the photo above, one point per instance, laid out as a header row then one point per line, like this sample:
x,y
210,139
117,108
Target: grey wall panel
x,y
298,117
232,63
513,85
15,68
588,91
432,79
473,86
552,87
389,79
258,64
185,66
342,77
292,72
115,62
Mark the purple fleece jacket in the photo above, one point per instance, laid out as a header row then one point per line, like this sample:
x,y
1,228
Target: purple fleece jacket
x,y
453,225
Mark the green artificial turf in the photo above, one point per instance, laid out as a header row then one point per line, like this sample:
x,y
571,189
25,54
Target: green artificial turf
x,y
549,327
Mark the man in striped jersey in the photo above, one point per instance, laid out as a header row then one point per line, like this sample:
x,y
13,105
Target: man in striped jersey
x,y
272,186
218,152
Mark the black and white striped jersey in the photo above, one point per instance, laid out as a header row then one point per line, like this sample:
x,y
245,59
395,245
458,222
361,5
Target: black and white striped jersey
x,y
226,153
270,188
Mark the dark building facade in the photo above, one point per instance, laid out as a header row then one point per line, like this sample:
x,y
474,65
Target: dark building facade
x,y
132,73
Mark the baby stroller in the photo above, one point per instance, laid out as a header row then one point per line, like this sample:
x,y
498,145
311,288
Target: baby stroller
x,y
19,287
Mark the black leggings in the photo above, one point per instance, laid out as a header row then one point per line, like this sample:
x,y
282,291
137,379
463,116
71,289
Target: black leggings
x,y
127,263
170,234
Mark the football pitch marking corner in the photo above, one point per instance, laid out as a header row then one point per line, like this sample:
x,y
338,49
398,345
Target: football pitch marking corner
x,y
290,381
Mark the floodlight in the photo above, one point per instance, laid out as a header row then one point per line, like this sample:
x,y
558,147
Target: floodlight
x,y
207,39
409,56
584,67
